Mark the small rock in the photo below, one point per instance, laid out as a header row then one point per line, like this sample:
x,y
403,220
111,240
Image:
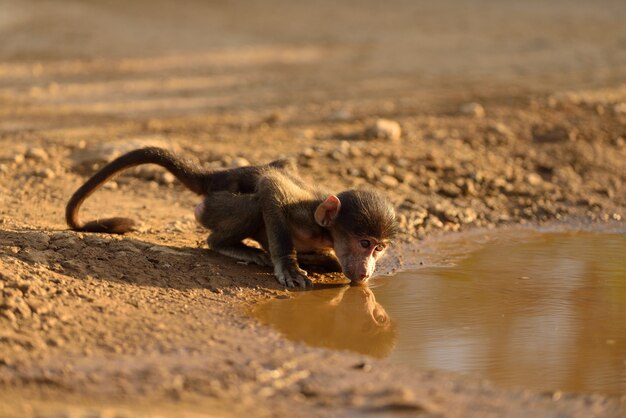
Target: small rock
x,y
110,185
363,366
355,152
467,216
469,187
534,179
434,222
167,178
37,154
500,128
473,109
336,155
54,342
46,173
389,169
449,190
385,129
239,162
309,152
19,159
389,181
71,265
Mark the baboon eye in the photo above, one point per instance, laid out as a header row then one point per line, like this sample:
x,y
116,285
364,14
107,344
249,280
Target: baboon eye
x,y
380,247
365,243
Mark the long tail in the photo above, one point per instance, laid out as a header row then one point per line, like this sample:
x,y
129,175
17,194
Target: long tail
x,y
194,178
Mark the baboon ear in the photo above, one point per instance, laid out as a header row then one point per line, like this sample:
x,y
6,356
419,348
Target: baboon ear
x,y
327,211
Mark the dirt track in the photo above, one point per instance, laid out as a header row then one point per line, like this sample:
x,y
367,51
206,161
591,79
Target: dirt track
x,y
153,323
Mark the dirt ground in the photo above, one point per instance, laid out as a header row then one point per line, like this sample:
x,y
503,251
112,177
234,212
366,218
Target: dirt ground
x,y
468,115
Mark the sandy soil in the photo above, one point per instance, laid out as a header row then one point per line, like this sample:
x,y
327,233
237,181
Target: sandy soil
x,y
508,113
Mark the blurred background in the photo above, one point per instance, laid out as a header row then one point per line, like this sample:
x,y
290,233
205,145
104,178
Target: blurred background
x,y
155,57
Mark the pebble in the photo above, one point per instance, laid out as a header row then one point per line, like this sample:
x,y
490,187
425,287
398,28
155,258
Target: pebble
x,y
385,129
19,159
167,178
72,265
389,169
355,152
336,155
434,222
473,109
449,190
500,128
239,162
37,153
46,173
467,216
389,181
110,185
468,187
534,179
344,146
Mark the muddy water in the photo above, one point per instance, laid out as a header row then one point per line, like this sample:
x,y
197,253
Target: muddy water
x,y
533,309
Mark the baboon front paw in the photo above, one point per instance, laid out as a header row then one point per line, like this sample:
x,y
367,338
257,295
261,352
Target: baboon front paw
x,y
292,276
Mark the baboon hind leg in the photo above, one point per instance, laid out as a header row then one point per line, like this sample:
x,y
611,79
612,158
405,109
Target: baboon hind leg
x,y
233,218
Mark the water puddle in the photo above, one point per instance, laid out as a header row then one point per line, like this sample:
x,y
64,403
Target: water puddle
x,y
545,310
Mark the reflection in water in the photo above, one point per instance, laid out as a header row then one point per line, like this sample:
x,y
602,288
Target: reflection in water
x,y
541,310
341,318
533,309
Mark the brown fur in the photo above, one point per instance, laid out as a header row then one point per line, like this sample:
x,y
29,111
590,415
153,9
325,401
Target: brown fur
x,y
270,204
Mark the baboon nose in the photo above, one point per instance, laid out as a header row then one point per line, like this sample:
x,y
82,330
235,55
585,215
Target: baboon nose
x,y
361,278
